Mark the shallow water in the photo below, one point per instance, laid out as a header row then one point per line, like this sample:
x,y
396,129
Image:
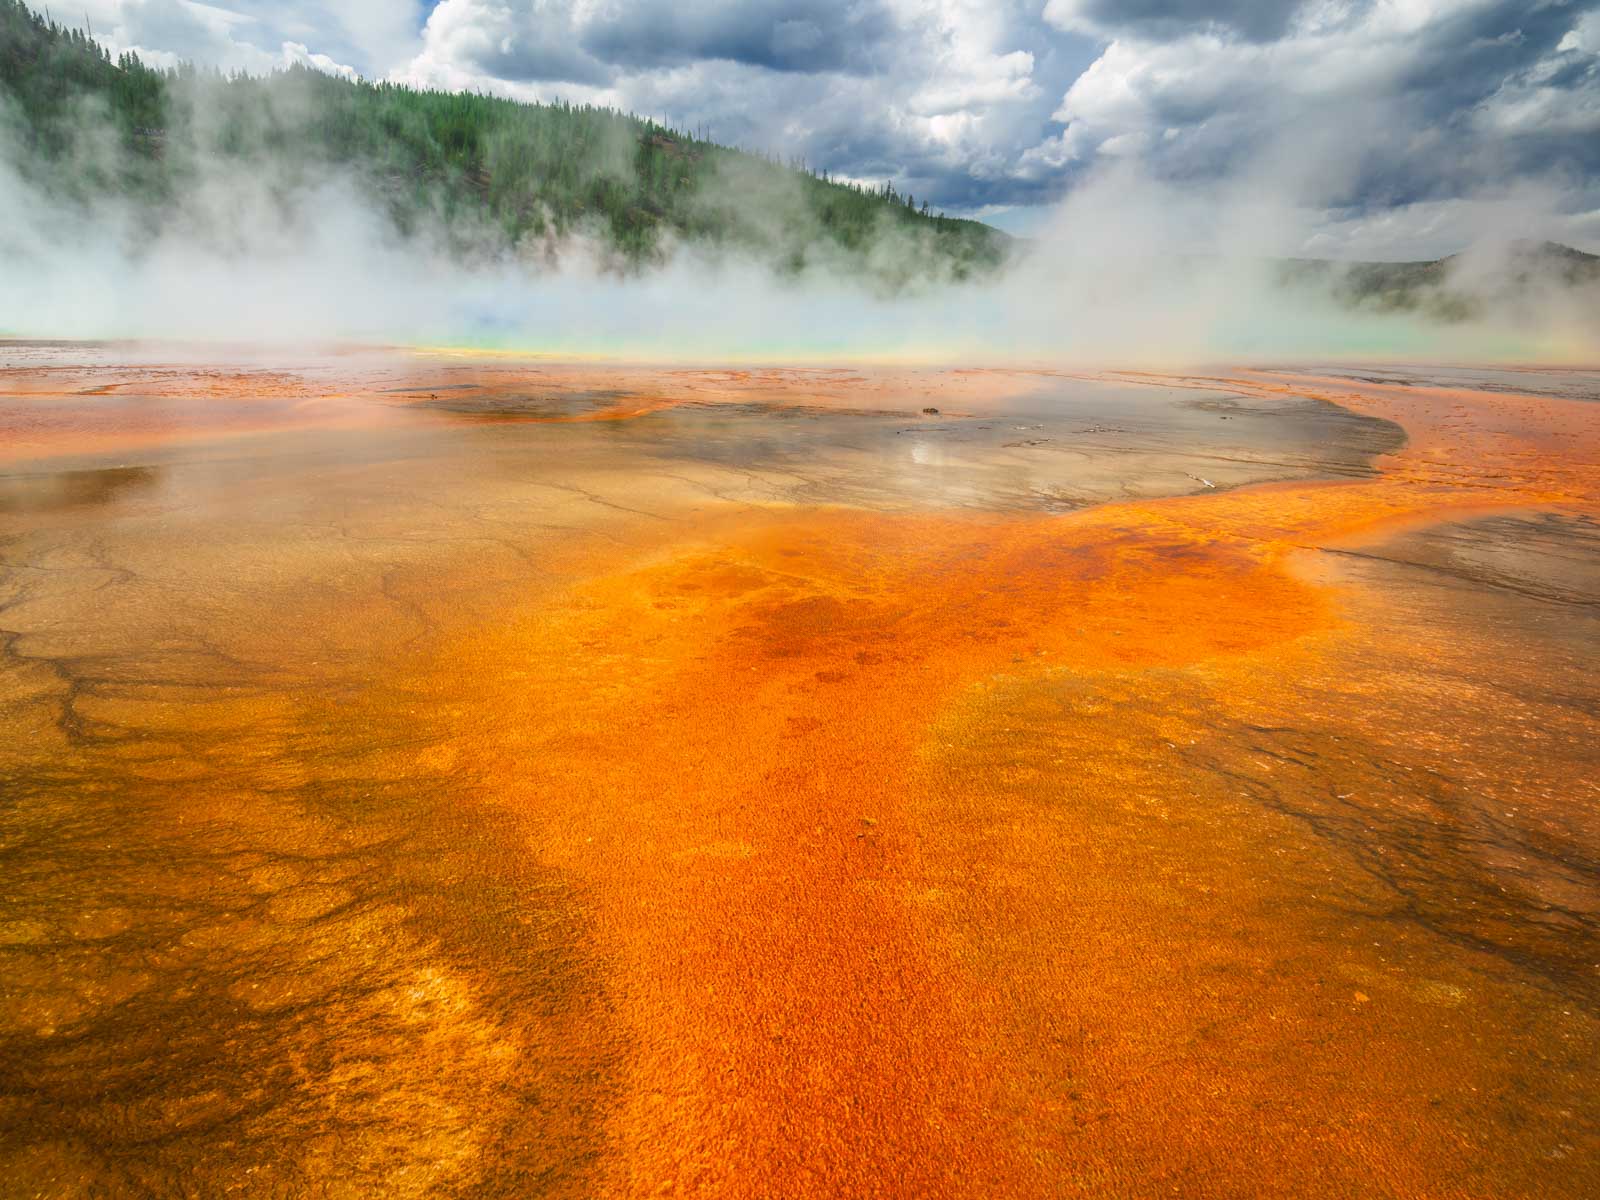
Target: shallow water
x,y
437,775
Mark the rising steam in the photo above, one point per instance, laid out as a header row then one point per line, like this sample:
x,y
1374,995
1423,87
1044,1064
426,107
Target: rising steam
x,y
1130,270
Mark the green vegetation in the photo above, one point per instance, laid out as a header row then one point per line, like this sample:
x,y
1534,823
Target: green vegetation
x,y
1448,289
487,175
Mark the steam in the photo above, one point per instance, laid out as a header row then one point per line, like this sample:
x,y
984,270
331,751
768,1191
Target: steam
x,y
1131,270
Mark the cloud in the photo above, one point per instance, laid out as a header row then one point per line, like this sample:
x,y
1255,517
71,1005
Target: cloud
x,y
1258,20
979,105
503,43
1382,104
608,45
792,35
256,35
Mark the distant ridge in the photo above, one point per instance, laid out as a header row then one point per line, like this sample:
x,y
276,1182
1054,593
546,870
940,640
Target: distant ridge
x,y
1453,287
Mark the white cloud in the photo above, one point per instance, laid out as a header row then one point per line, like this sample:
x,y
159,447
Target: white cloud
x,y
256,35
1350,102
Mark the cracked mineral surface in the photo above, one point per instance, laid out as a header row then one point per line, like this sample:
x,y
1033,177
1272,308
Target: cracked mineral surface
x,y
426,774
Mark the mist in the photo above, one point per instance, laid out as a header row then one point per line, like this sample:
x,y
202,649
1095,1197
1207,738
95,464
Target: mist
x,y
1130,270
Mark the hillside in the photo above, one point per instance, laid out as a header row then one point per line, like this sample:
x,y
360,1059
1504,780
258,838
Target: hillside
x,y
486,175
1455,287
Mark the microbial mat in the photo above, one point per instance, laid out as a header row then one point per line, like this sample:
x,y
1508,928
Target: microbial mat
x,y
426,774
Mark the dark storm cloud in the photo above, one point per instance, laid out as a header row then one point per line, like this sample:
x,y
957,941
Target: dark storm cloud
x,y
1259,20
537,60
1449,68
1477,58
1405,104
819,35
1467,55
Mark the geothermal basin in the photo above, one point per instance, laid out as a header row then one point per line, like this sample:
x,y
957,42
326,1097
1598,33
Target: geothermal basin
x,y
432,774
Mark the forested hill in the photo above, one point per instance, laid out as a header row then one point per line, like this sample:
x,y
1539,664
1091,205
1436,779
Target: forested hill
x,y
484,175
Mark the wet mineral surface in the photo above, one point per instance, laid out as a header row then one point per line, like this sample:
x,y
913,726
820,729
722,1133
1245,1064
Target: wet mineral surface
x,y
441,775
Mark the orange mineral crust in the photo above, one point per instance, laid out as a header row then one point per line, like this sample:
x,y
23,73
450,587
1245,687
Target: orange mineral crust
x,y
1090,788
798,1023
51,405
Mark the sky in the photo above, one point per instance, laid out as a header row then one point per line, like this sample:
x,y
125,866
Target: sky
x,y
1398,128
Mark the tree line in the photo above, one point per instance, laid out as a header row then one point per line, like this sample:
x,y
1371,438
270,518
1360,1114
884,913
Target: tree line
x,y
479,166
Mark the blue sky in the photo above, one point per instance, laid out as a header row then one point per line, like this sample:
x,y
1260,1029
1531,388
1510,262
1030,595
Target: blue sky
x,y
1398,125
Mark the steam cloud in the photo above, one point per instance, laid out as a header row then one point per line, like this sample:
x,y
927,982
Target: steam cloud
x,y
1130,270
